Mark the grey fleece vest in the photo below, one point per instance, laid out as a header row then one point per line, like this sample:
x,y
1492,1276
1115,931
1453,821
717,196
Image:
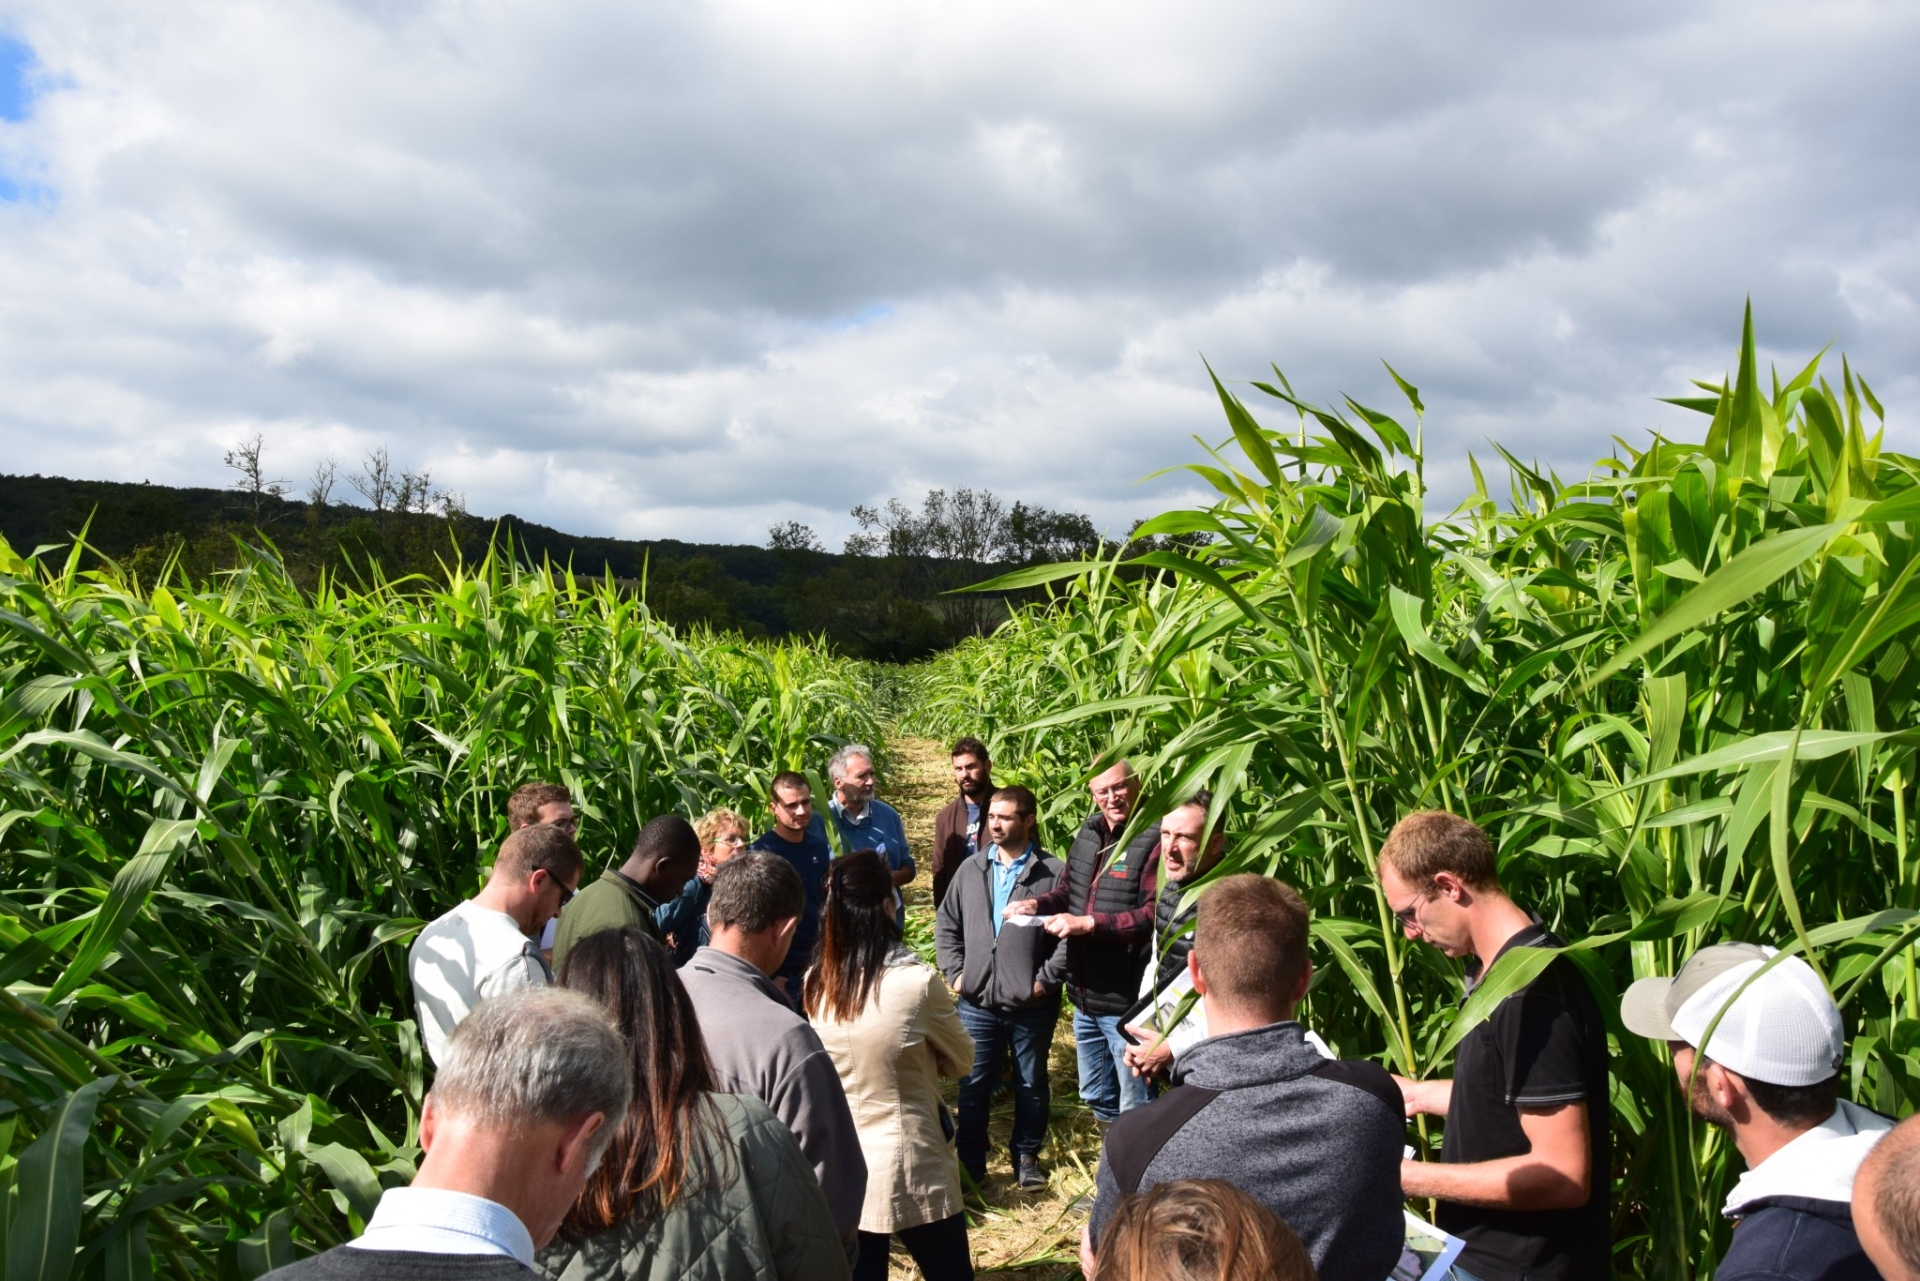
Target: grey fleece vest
x,y
1317,1141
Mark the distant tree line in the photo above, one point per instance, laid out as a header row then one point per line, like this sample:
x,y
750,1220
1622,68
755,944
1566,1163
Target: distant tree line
x,y
888,595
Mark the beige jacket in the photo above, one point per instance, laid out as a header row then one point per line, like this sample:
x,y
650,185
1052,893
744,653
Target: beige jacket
x,y
891,1059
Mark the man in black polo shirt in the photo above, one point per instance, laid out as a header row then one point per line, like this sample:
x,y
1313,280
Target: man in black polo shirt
x,y
1523,1175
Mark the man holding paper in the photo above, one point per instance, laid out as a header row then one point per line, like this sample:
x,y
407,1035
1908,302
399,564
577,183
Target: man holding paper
x,y
1103,908
1006,972
1187,853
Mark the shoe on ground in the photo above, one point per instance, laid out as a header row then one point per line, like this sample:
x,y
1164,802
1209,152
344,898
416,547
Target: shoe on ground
x,y
1028,1174
976,1174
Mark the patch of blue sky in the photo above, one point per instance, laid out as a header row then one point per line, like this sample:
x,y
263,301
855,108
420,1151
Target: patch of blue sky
x,y
860,319
16,79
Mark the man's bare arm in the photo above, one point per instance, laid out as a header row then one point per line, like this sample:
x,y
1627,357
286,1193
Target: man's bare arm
x,y
1555,1175
1429,1097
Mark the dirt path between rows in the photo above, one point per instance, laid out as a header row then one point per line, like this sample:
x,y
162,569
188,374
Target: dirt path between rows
x,y
1031,1235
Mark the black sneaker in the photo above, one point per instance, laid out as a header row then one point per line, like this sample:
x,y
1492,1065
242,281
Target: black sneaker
x,y
1028,1174
976,1174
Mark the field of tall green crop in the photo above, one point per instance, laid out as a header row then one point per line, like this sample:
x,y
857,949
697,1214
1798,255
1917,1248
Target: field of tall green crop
x,y
225,811
1680,692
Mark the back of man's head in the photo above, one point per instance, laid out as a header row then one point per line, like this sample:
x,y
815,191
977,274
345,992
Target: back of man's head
x,y
524,806
536,1056
755,891
1250,934
1886,1202
666,840
1424,844
542,847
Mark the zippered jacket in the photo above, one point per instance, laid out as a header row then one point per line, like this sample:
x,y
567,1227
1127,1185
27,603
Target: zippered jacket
x,y
997,972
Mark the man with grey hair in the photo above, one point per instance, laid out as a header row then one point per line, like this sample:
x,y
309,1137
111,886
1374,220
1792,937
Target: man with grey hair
x,y
1886,1203
757,1043
486,945
864,822
531,1088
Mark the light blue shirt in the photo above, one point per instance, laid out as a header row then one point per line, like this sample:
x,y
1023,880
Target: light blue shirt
x,y
879,828
440,1221
1005,877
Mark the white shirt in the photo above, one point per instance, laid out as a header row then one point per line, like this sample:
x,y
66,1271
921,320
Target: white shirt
x,y
470,953
1817,1165
440,1221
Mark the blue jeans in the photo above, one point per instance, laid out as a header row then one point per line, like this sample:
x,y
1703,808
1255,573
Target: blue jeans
x,y
1028,1034
1106,1085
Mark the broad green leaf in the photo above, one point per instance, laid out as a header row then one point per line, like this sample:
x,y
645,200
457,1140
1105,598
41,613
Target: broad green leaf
x,y
1749,573
125,900
46,1221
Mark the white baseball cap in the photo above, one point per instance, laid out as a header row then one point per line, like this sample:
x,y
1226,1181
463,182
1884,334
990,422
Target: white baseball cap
x,y
1783,1028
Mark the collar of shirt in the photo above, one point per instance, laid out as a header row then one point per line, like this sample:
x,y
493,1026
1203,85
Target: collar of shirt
x,y
633,887
1009,869
442,1221
861,819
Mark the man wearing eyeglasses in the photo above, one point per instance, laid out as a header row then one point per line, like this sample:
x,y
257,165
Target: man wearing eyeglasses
x,y
533,803
486,945
1524,1175
1103,908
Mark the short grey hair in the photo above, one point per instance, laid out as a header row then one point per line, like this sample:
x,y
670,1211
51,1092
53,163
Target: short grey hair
x,y
537,1056
837,765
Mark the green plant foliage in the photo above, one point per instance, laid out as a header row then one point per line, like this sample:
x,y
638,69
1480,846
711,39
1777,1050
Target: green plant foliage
x,y
1680,694
225,812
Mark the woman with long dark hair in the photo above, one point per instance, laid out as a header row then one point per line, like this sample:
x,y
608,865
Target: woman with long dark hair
x,y
890,1025
696,1184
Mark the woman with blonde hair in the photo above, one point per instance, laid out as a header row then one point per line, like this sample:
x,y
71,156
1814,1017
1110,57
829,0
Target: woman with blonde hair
x,y
683,919
891,1028
1198,1230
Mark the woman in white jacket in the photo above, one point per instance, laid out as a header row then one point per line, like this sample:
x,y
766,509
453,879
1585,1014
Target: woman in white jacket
x,y
890,1025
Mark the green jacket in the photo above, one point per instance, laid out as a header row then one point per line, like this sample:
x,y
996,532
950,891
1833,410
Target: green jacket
x,y
613,902
767,1220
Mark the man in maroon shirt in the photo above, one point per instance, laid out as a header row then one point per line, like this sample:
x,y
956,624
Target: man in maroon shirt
x,y
1104,910
960,830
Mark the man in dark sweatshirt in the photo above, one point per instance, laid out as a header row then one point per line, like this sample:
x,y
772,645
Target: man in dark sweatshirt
x,y
1315,1140
1103,908
532,1087
1769,1076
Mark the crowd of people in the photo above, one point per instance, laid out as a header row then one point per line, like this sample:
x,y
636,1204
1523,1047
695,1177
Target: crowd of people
x,y
719,1059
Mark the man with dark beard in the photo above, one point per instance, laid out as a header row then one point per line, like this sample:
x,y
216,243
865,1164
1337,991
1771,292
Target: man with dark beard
x,y
960,829
1769,1076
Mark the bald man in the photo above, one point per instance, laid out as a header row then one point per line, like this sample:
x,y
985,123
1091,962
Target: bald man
x,y
1886,1203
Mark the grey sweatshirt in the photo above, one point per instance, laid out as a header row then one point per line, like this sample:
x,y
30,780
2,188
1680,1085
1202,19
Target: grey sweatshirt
x,y
1315,1140
761,1047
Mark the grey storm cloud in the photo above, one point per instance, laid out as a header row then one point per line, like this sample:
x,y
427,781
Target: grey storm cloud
x,y
690,268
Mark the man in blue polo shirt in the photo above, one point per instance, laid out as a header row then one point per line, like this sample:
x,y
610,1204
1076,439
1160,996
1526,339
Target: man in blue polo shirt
x,y
864,822
800,837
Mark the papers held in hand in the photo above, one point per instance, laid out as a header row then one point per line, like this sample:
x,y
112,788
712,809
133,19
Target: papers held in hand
x,y
1028,920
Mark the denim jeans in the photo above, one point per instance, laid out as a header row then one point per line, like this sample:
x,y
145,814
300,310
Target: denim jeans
x,y
1028,1034
1106,1085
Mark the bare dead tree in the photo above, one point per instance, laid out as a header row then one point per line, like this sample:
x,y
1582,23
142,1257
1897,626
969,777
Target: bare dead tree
x,y
320,484
252,481
377,483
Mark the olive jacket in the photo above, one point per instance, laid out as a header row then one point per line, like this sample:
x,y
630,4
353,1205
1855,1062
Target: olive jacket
x,y
763,1219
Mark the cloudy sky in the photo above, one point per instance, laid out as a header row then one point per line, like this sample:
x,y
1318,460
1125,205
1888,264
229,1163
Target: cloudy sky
x,y
685,269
